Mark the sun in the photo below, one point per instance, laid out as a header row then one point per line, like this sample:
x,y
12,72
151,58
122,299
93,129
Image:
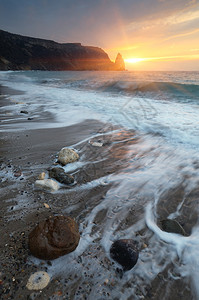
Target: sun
x,y
133,60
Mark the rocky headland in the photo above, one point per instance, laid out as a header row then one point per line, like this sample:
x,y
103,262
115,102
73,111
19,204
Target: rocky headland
x,y
26,53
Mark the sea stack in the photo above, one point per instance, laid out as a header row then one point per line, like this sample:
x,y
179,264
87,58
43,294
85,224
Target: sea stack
x,y
119,63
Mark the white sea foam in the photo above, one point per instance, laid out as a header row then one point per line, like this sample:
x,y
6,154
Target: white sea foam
x,y
176,120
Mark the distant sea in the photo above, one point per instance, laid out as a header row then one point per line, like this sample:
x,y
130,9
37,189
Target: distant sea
x,y
162,108
153,103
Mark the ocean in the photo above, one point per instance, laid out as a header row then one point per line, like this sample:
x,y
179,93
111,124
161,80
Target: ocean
x,y
160,111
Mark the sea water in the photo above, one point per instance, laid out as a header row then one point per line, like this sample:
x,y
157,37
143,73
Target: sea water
x,y
162,108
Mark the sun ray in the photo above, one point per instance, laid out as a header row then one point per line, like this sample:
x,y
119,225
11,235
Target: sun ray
x,y
135,60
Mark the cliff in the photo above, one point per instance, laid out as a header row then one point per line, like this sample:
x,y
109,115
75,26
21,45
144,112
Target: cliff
x,y
25,53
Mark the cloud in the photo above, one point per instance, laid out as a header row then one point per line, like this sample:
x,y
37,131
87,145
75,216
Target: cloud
x,y
182,34
182,23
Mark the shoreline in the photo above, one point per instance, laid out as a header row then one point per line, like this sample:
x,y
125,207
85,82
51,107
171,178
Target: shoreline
x,y
29,152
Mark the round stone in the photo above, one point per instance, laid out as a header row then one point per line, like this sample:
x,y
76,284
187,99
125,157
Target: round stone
x,y
54,237
125,253
67,155
38,281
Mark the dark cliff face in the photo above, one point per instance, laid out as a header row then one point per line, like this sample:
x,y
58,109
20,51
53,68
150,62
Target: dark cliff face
x,y
25,53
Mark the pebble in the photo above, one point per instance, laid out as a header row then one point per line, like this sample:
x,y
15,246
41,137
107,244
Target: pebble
x,y
38,281
96,144
24,112
46,205
42,176
17,174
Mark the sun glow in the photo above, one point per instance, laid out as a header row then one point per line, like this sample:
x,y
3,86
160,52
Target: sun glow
x,y
134,60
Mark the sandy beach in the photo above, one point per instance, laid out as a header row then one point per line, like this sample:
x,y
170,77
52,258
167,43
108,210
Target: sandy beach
x,y
27,153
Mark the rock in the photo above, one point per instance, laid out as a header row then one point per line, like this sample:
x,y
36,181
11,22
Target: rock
x,y
46,205
42,176
24,112
119,63
172,226
67,155
60,175
38,281
125,253
54,237
96,144
17,173
47,184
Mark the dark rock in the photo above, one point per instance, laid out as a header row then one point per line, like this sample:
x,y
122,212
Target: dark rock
x,y
54,237
172,226
17,173
24,112
125,253
25,53
60,175
29,119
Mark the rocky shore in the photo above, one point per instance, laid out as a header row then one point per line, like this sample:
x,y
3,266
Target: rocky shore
x,y
25,155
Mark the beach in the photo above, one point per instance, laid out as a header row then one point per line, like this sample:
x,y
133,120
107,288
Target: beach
x,y
120,173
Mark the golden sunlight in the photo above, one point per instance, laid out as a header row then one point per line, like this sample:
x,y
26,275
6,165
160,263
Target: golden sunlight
x,y
134,60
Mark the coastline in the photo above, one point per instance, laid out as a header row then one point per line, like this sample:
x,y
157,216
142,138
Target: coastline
x,y
29,152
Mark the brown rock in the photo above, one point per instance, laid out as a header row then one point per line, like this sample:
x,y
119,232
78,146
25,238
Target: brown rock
x,y
54,237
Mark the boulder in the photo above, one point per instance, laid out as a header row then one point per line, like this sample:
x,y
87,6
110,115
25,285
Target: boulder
x,y
54,237
125,253
67,155
47,184
60,175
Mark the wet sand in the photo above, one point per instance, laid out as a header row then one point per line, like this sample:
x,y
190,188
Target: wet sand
x,y
27,153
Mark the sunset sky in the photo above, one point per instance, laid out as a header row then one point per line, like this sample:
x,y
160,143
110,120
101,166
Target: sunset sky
x,y
150,34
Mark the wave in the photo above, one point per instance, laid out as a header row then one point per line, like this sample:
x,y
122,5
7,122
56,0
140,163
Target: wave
x,y
189,90
159,90
123,83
